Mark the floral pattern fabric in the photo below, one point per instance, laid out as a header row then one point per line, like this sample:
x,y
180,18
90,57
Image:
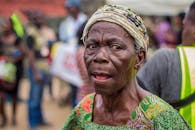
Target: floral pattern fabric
x,y
152,113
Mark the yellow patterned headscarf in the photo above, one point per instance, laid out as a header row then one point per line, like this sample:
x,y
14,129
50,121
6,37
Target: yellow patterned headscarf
x,y
124,17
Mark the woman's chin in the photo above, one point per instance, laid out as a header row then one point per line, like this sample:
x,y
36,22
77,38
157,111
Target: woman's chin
x,y
104,86
104,91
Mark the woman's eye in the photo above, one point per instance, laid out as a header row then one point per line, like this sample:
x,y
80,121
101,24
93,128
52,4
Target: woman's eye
x,y
116,47
92,46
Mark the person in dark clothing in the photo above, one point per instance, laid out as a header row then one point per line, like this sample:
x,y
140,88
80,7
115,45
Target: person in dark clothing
x,y
7,84
18,58
171,77
180,18
10,40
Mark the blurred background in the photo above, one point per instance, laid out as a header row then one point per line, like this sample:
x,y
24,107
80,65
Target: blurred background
x,y
50,30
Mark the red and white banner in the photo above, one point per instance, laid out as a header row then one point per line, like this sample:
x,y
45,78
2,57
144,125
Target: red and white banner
x,y
64,64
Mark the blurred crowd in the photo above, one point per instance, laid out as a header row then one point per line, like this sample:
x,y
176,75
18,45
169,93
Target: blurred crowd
x,y
28,51
164,31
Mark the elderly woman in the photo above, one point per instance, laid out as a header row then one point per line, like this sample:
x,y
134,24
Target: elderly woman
x,y
116,41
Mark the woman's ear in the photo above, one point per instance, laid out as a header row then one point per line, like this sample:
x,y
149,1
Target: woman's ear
x,y
140,59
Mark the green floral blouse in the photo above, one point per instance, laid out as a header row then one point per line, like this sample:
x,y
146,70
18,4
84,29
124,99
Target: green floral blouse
x,y
152,113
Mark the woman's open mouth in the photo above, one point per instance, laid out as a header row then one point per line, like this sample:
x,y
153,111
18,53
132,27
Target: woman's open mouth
x,y
101,76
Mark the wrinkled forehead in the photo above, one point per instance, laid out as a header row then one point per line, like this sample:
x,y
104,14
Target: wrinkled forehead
x,y
109,31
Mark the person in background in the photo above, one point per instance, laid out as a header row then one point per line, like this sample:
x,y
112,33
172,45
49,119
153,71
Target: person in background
x,y
12,35
18,55
18,58
153,44
7,84
165,35
178,22
38,36
170,72
86,87
116,42
68,34
70,25
50,76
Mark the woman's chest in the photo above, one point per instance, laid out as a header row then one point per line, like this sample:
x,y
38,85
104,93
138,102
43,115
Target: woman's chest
x,y
111,119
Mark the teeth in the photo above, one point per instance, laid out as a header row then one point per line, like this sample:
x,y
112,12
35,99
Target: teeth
x,y
101,77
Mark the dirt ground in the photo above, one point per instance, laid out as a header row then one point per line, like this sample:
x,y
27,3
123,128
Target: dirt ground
x,y
53,113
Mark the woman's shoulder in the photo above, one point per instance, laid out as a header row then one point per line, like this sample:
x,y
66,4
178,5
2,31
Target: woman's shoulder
x,y
161,114
152,105
87,99
85,107
80,114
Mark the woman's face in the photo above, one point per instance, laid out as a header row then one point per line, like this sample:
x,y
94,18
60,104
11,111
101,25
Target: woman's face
x,y
110,57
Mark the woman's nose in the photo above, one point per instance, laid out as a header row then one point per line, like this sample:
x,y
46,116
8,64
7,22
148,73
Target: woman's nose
x,y
101,56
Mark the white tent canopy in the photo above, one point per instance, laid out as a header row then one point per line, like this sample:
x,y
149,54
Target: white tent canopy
x,y
155,7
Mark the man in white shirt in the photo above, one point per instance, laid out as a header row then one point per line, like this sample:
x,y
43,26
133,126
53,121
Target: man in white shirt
x,y
69,26
68,33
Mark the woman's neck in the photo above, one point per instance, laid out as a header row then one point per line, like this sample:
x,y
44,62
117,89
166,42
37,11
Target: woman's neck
x,y
116,109
127,98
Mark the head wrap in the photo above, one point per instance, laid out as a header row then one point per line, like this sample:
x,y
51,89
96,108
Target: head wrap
x,y
124,17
